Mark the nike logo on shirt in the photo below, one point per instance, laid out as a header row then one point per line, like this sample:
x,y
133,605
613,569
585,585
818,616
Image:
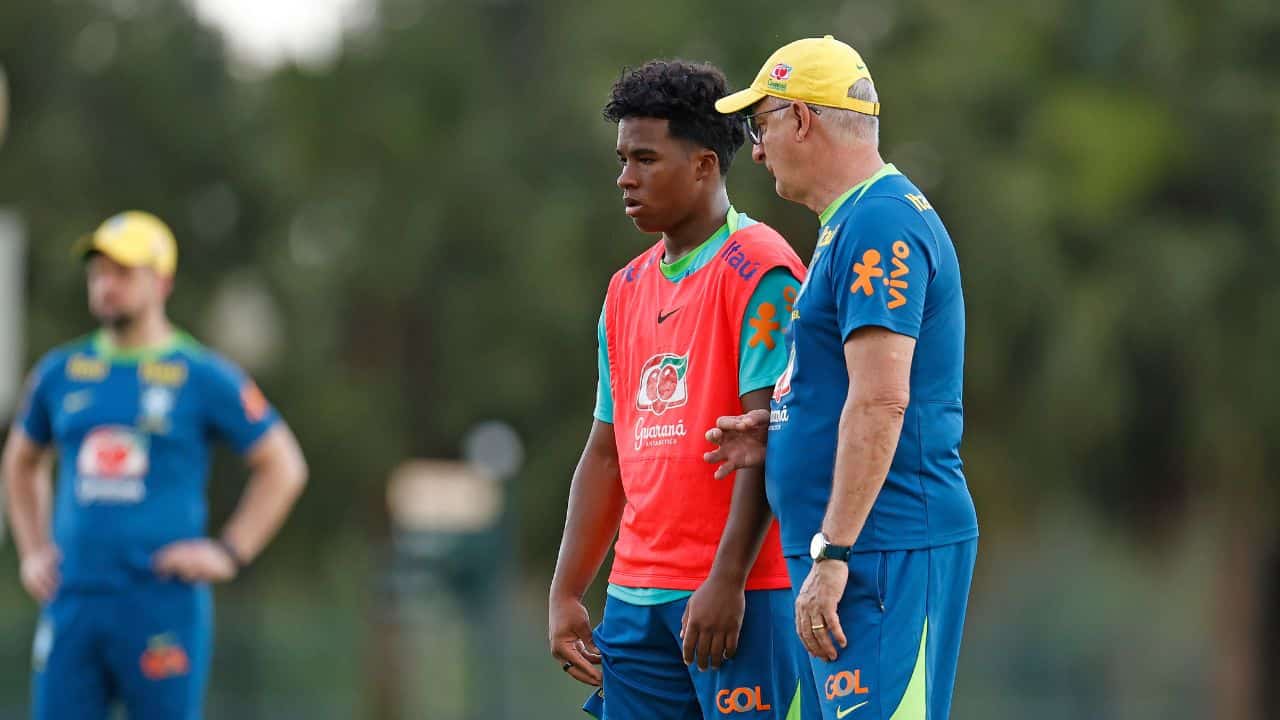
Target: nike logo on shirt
x,y
662,317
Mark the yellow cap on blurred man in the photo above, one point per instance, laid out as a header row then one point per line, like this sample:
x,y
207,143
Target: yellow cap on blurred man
x,y
821,71
134,239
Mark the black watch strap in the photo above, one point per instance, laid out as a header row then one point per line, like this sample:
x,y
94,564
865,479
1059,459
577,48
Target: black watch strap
x,y
837,552
230,553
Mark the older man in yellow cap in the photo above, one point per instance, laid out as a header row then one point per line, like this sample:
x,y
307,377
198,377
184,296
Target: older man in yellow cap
x,y
123,574
863,438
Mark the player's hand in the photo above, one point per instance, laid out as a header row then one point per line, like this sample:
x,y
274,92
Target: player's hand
x,y
40,574
739,440
712,621
194,561
817,622
569,632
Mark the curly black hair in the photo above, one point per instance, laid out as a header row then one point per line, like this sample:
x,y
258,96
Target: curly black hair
x,y
685,94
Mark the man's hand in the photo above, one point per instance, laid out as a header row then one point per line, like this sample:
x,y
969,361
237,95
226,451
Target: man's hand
x,y
816,619
40,574
739,440
569,632
195,561
712,621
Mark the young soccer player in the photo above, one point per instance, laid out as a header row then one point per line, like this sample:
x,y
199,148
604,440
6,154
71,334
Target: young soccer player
x,y
697,622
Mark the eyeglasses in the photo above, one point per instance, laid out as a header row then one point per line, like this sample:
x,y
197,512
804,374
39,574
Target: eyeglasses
x,y
756,133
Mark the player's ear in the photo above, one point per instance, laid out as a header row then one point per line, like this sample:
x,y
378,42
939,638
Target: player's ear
x,y
708,165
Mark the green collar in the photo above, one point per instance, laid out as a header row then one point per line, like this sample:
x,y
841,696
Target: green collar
x,y
107,350
860,188
732,224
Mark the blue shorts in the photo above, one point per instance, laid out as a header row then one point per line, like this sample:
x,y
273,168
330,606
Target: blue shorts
x,y
147,647
645,677
903,614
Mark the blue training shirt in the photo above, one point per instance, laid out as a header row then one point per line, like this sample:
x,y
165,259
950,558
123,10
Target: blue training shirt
x,y
883,259
132,432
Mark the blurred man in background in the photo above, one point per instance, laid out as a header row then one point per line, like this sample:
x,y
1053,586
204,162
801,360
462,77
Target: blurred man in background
x,y
863,460
124,576
4,104
690,330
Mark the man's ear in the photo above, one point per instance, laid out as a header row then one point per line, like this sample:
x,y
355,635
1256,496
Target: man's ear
x,y
708,166
804,120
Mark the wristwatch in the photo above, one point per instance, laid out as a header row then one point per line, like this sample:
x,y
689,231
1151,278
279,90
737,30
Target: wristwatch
x,y
230,552
821,549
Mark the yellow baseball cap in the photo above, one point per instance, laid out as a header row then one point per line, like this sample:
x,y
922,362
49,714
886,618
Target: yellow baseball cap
x,y
821,71
135,239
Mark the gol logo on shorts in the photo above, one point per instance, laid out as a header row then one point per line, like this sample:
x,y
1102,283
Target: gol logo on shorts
x,y
741,700
164,658
843,683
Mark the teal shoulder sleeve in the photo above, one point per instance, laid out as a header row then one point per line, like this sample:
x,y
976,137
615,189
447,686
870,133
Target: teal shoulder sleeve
x,y
604,395
763,354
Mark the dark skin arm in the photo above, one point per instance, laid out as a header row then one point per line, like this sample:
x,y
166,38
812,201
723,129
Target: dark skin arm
x,y
595,508
713,617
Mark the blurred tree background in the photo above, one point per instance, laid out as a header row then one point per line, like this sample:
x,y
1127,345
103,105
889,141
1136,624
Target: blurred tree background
x,y
416,235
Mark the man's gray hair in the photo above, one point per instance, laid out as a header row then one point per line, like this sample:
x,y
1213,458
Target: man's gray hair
x,y
863,127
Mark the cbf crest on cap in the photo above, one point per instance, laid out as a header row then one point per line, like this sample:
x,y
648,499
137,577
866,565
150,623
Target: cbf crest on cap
x,y
821,71
135,239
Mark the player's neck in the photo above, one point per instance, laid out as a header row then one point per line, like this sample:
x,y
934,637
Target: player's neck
x,y
838,172
146,331
699,226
